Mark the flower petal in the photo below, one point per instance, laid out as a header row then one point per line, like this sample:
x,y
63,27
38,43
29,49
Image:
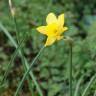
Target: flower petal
x,y
42,29
61,19
65,28
51,18
50,41
59,37
62,30
51,28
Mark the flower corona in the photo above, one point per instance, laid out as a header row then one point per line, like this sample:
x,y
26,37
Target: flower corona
x,y
53,29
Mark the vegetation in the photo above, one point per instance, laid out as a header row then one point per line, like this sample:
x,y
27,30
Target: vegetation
x,y
20,43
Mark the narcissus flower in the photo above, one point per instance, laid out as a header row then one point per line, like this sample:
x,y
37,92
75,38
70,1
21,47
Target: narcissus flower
x,y
53,29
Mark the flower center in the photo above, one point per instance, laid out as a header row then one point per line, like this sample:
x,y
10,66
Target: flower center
x,y
56,32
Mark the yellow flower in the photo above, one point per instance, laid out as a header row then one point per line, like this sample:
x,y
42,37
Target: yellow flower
x,y
53,29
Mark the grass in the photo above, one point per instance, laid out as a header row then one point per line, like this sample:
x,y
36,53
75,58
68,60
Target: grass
x,y
24,61
50,70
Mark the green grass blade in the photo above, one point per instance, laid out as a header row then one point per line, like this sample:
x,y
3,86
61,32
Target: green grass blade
x,y
26,73
78,86
20,53
94,93
12,11
31,85
11,61
15,53
8,35
89,84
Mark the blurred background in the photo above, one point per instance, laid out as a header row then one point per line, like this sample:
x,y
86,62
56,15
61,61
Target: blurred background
x,y
51,70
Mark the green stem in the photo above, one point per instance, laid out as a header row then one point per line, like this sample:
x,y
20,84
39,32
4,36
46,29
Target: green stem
x,y
26,64
24,61
27,72
11,61
16,28
14,19
70,69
